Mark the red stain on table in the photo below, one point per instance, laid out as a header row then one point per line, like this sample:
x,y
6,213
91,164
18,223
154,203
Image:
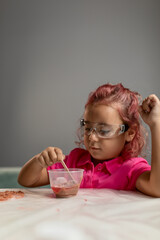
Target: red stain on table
x,y
11,194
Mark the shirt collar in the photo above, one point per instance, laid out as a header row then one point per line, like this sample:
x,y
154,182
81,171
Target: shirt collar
x,y
113,164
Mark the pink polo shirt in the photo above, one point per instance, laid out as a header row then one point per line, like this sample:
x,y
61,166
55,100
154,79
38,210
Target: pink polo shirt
x,y
115,174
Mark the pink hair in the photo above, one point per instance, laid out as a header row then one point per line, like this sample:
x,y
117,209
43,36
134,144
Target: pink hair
x,y
126,102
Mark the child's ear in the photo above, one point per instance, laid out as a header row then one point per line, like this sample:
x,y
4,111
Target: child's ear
x,y
129,135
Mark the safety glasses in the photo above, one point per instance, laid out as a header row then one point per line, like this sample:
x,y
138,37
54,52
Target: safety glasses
x,y
102,130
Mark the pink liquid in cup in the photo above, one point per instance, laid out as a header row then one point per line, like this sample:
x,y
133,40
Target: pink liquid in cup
x,y
61,192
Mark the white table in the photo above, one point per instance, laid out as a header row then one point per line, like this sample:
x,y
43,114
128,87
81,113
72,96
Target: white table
x,y
94,214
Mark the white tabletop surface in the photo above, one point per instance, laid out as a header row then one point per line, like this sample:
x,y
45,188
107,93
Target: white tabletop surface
x,y
93,214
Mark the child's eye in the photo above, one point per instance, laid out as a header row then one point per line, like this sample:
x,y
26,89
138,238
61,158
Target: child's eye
x,y
87,129
103,132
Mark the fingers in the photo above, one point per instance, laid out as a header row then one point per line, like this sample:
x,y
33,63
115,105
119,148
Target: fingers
x,y
44,159
148,103
50,156
60,155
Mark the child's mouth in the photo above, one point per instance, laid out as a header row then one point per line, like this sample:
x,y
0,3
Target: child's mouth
x,y
94,148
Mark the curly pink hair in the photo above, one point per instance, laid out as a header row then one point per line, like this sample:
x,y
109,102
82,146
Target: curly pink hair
x,y
127,103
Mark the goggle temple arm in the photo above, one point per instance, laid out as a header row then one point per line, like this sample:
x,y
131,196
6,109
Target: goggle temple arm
x,y
82,122
124,128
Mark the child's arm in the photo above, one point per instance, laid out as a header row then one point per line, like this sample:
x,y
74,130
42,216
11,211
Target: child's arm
x,y
34,172
149,182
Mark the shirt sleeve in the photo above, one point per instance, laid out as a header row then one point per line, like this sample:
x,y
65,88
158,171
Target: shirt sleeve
x,y
139,165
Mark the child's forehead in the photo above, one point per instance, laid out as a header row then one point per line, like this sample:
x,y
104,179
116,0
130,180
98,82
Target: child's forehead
x,y
102,113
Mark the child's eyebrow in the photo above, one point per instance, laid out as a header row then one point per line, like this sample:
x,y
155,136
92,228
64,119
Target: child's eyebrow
x,y
103,124
99,123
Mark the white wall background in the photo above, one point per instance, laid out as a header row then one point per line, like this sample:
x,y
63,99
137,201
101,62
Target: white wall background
x,y
54,52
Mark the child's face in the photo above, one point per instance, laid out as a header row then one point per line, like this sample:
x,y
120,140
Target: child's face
x,y
103,148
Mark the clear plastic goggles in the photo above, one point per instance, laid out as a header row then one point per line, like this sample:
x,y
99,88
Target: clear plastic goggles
x,y
102,130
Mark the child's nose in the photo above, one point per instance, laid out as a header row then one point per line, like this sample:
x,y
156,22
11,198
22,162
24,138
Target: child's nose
x,y
93,136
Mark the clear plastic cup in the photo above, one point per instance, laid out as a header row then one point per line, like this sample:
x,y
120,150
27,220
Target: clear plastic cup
x,y
64,183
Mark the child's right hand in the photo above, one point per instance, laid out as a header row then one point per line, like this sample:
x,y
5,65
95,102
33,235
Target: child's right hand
x,y
50,156
150,110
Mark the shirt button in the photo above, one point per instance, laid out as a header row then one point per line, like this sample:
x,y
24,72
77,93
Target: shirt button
x,y
99,168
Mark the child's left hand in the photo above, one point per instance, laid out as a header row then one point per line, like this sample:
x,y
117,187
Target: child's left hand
x,y
150,110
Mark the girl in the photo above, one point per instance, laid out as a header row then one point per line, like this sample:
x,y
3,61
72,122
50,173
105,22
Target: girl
x,y
113,136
